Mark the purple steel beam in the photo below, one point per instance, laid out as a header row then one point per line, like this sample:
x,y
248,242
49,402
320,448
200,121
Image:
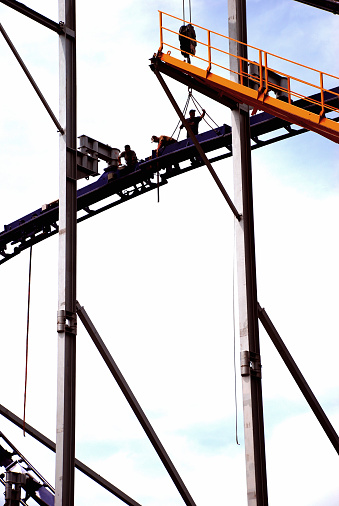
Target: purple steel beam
x,y
25,229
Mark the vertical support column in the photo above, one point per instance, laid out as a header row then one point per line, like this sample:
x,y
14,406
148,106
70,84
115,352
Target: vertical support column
x,y
247,287
65,433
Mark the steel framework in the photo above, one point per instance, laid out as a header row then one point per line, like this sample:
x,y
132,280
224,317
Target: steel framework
x,y
68,308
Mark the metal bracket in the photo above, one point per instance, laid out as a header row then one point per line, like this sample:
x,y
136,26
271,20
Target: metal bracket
x,y
67,322
243,107
250,364
66,31
70,33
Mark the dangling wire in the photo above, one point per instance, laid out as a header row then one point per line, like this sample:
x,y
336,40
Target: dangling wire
x,y
27,333
183,10
199,109
183,112
197,105
158,189
234,360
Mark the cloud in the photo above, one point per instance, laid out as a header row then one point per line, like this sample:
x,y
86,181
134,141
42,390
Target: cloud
x,y
157,279
304,482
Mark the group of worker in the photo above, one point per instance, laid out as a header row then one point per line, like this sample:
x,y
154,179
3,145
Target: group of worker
x,y
130,156
187,38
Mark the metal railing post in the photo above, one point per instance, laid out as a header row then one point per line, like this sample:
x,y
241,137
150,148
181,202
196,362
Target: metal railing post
x,y
322,112
209,53
261,84
289,89
266,72
161,34
240,65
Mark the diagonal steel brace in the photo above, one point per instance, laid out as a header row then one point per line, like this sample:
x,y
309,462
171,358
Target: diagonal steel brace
x,y
298,377
144,422
197,145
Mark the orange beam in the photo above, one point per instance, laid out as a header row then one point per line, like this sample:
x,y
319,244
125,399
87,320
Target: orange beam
x,y
240,93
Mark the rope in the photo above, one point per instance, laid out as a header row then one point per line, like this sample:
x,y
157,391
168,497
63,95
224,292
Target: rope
x,y
197,105
158,189
27,333
234,360
199,108
183,112
183,11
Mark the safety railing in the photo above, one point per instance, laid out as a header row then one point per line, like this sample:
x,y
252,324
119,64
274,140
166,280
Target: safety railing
x,y
254,72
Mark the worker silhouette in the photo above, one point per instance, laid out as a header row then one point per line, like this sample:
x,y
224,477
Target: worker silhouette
x,y
194,121
130,157
162,141
187,39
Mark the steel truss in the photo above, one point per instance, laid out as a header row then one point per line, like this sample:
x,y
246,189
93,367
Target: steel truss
x,y
249,310
43,223
68,308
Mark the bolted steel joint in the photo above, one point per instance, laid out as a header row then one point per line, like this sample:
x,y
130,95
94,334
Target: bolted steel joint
x,y
67,322
245,363
250,364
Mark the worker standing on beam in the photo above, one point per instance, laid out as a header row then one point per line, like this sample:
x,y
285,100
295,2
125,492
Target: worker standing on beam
x,y
194,121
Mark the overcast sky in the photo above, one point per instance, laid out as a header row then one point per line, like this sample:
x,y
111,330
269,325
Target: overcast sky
x,y
157,278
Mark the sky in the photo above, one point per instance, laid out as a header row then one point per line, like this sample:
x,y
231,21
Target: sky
x,y
157,279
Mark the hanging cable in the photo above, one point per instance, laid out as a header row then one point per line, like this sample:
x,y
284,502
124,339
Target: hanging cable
x,y
183,11
199,109
27,334
158,189
183,112
234,359
197,105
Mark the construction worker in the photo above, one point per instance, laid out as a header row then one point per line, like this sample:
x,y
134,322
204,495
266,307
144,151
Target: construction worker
x,y
187,39
162,141
194,121
130,157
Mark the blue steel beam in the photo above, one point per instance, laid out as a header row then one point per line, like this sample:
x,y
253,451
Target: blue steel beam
x,y
43,222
